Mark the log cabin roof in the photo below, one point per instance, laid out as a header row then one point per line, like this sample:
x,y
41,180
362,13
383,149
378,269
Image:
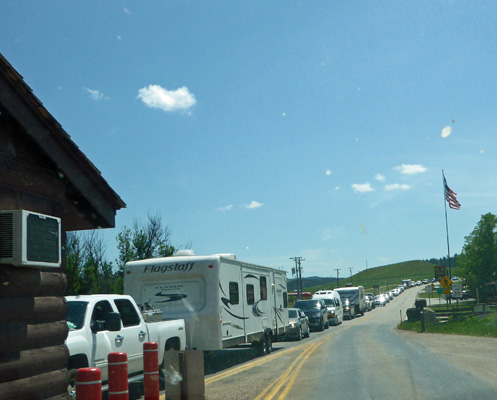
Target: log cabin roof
x,y
39,158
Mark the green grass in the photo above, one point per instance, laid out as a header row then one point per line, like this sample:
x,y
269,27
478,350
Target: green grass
x,y
387,276
474,326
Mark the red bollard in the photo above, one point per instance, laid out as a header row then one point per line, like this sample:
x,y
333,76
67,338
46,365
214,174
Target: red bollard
x,y
118,376
89,384
151,370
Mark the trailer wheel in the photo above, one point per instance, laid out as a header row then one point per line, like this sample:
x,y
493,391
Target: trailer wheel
x,y
269,343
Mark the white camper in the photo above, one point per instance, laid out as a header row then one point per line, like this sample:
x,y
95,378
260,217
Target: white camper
x,y
224,302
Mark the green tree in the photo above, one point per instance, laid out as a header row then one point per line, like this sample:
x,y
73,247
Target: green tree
x,y
149,240
87,269
478,258
74,255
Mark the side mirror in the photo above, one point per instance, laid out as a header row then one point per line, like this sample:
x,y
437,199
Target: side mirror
x,y
113,322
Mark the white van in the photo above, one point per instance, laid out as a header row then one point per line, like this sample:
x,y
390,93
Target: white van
x,y
333,303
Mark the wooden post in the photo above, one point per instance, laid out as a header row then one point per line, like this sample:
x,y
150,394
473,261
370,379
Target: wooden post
x,y
192,370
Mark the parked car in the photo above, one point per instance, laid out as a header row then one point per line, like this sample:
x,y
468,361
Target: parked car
x,y
369,303
371,297
298,324
316,311
380,300
348,309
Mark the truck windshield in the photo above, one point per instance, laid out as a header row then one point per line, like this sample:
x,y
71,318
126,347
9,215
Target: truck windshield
x,y
352,295
76,311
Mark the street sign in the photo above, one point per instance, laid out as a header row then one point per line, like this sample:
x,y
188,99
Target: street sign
x,y
457,291
440,272
446,291
440,290
429,288
445,282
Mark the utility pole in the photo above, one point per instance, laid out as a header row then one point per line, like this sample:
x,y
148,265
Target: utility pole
x,y
350,269
366,264
298,270
337,269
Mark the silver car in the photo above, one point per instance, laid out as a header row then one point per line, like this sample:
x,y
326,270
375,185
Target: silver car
x,y
298,324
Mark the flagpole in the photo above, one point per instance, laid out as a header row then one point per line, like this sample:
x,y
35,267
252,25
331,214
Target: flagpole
x,y
446,224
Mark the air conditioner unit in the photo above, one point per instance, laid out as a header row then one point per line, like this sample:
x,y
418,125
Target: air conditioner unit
x,y
29,239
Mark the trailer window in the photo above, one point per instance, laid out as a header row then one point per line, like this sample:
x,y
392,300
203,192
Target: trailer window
x,y
263,282
129,315
250,294
285,300
234,296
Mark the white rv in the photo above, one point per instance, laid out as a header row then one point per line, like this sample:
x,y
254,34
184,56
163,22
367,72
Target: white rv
x,y
224,302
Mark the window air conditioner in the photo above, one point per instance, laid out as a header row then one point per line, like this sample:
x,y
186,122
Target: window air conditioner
x,y
29,239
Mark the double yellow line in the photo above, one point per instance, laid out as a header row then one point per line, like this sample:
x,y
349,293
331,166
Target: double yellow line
x,y
290,375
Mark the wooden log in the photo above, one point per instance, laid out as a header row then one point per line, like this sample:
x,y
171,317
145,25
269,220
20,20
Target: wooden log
x,y
20,281
32,309
19,365
36,387
18,336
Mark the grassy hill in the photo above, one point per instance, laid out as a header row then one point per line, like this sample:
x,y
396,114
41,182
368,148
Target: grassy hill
x,y
386,276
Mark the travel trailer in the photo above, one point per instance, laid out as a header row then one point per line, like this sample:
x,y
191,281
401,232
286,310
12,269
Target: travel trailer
x,y
356,297
224,302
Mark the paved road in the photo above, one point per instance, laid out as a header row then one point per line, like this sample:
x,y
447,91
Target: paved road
x,y
367,358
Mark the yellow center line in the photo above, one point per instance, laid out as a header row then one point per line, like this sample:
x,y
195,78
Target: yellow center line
x,y
283,378
252,364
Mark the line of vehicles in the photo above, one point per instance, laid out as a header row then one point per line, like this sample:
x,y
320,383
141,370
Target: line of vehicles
x,y
206,303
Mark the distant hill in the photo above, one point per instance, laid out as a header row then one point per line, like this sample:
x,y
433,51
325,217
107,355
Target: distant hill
x,y
386,276
309,282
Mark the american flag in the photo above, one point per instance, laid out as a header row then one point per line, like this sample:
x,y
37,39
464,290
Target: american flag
x,y
450,196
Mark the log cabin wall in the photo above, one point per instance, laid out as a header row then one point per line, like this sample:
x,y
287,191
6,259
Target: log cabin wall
x,y
43,171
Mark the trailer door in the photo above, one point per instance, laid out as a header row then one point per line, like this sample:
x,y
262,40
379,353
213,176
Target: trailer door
x,y
280,294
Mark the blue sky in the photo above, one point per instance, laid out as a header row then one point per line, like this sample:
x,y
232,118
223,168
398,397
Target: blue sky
x,y
274,129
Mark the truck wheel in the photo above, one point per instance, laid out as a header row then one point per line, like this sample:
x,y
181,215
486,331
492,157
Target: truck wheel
x,y
71,385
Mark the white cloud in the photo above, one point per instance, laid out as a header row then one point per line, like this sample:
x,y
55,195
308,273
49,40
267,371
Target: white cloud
x,y
337,187
227,208
446,131
397,186
379,177
95,94
253,204
411,169
362,187
126,11
155,96
328,172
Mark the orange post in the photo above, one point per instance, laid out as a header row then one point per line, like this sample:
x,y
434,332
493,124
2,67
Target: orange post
x,y
89,384
151,370
118,376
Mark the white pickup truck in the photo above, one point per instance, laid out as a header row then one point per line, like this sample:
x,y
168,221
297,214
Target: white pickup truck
x,y
103,324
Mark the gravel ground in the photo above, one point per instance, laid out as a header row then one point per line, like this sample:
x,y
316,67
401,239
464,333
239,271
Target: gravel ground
x,y
473,354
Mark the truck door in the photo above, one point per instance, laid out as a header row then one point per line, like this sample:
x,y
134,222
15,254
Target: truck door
x,y
102,339
133,334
